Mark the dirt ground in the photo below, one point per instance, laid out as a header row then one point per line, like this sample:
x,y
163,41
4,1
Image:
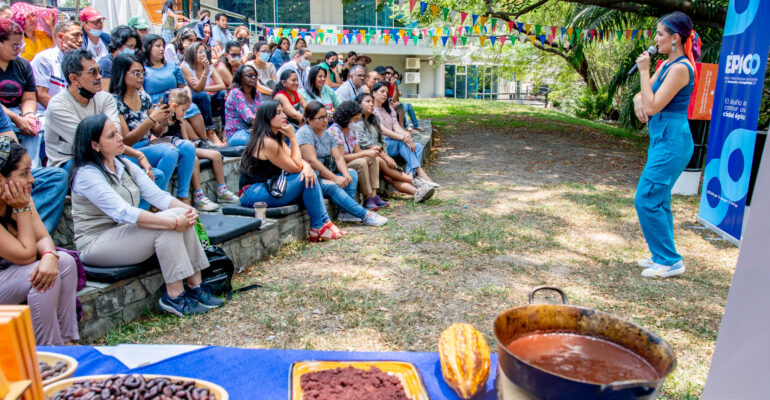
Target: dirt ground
x,y
538,202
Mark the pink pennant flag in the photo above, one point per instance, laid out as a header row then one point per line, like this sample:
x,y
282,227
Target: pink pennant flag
x,y
511,24
553,31
424,32
411,4
454,41
463,16
406,39
502,41
345,31
358,36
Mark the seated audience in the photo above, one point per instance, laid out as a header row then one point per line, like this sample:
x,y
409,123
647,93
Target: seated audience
x,y
286,92
106,190
123,40
84,97
266,71
161,77
406,109
397,140
229,63
316,89
330,65
94,39
350,61
370,138
174,50
203,31
298,44
280,55
362,161
142,27
18,89
219,31
268,160
355,84
372,77
207,87
241,34
363,60
31,270
241,106
47,64
35,39
319,149
299,64
140,120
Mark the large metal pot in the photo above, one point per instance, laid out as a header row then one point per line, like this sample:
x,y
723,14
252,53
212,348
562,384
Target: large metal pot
x,y
545,385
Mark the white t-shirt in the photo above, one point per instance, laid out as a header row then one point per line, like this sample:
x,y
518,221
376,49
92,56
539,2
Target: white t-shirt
x,y
47,68
99,49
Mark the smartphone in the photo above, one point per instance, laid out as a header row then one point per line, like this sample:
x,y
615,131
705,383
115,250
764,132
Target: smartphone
x,y
164,99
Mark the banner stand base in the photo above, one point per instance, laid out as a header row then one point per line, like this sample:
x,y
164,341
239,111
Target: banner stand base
x,y
718,231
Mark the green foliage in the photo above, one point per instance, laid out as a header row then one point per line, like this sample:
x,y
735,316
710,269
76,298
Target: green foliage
x,y
593,105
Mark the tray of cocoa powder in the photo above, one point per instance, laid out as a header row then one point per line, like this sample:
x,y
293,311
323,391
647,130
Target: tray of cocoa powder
x,y
361,380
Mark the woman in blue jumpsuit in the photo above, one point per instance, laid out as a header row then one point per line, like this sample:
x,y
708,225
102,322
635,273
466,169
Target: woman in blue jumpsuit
x,y
663,102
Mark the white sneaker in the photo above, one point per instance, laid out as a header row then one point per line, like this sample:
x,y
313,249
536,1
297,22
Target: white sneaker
x,y
423,193
345,217
374,219
424,182
204,204
664,271
646,263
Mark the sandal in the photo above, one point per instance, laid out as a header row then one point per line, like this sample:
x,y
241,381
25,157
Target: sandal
x,y
325,232
337,230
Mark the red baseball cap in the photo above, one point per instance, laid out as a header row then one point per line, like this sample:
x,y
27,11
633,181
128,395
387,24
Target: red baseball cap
x,y
90,14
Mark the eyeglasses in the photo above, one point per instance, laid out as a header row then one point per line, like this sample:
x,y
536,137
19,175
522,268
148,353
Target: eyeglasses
x,y
16,47
94,72
137,74
250,76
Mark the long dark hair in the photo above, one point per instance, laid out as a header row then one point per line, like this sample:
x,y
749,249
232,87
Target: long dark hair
x,y
191,55
168,5
238,78
310,87
285,75
260,130
120,68
278,45
377,87
345,112
83,153
15,154
181,36
312,108
147,43
370,122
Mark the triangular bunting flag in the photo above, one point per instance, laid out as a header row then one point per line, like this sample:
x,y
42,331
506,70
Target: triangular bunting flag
x,y
278,32
350,37
406,39
423,7
435,41
339,38
510,26
368,38
482,20
620,35
411,5
494,24
294,33
358,37
268,30
386,38
578,32
513,39
542,39
362,32
520,26
444,39
628,35
526,28
445,11
634,33
454,41
502,41
532,39
492,40
439,31
569,31
415,39
550,39
537,29
463,16
482,40
434,10
476,29
464,39
562,31
553,31
474,18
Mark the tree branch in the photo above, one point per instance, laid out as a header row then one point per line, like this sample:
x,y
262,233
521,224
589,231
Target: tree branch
x,y
711,16
509,15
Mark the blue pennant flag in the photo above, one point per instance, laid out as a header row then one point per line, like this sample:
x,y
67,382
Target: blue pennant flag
x,y
444,39
475,18
423,7
520,25
542,39
563,30
634,33
492,39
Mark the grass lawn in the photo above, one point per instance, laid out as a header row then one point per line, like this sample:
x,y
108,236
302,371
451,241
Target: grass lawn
x,y
529,197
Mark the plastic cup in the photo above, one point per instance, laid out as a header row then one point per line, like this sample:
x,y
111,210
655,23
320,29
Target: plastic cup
x,y
259,210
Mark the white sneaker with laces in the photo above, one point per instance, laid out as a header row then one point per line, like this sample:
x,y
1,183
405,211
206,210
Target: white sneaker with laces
x,y
664,271
423,193
374,219
204,204
646,263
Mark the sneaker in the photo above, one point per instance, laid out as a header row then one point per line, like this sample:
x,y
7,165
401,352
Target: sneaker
x,y
227,197
346,217
204,204
423,193
374,219
424,182
646,263
182,305
203,296
664,271
371,205
380,202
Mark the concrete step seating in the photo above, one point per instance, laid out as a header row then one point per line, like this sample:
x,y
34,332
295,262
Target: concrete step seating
x,y
113,296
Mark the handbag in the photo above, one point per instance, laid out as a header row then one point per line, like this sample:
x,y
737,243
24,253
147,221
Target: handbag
x,y
219,275
276,185
329,163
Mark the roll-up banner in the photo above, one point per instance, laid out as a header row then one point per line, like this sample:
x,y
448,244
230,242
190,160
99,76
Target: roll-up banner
x,y
737,98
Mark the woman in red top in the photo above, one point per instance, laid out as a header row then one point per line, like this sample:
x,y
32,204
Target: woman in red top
x,y
286,93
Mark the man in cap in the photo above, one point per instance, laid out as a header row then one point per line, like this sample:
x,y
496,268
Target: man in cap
x,y
141,26
94,39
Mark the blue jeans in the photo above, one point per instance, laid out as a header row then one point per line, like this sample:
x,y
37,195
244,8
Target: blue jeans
x,y
218,104
409,111
203,101
344,198
48,193
312,197
167,35
670,150
239,138
167,158
30,143
398,148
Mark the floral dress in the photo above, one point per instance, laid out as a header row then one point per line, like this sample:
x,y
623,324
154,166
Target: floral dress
x,y
239,112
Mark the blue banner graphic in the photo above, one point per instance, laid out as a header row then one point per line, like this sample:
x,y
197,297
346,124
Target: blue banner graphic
x,y
737,99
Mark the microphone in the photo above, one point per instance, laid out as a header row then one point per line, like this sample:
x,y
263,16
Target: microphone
x,y
652,50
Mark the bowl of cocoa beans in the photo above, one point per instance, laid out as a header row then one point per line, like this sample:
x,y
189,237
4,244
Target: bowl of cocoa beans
x,y
148,387
55,367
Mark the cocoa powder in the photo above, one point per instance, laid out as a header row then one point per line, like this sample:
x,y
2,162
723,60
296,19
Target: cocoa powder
x,y
351,384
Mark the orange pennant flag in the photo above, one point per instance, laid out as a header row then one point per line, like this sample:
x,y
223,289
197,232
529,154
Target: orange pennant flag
x,y
434,11
482,40
435,41
386,38
482,20
526,27
532,39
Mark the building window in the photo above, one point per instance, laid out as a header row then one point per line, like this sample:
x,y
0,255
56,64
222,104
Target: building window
x,y
364,13
293,12
265,11
243,7
270,12
449,80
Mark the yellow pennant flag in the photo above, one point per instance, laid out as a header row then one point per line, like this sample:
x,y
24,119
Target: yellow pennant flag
x,y
526,28
482,20
339,38
434,11
363,31
476,29
435,41
278,32
532,39
569,31
401,32
294,34
482,40
386,38
439,31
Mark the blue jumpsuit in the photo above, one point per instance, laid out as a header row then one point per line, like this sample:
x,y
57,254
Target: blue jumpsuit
x,y
670,150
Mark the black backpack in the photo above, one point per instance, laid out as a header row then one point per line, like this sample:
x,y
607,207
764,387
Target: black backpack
x,y
219,275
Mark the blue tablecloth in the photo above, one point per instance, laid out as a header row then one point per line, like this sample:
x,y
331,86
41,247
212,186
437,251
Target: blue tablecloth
x,y
264,374
90,360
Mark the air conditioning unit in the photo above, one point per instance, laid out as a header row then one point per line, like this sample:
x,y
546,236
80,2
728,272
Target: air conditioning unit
x,y
412,63
412,77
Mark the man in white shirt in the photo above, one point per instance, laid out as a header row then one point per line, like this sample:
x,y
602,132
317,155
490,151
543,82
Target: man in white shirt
x,y
46,65
354,85
94,38
299,64
84,97
219,31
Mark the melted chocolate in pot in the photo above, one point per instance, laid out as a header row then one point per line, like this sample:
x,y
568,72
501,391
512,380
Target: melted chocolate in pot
x,y
583,358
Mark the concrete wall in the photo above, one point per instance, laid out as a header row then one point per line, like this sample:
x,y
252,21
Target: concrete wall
x,y
326,12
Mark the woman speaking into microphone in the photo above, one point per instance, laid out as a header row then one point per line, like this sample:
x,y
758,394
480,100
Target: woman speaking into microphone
x,y
663,102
